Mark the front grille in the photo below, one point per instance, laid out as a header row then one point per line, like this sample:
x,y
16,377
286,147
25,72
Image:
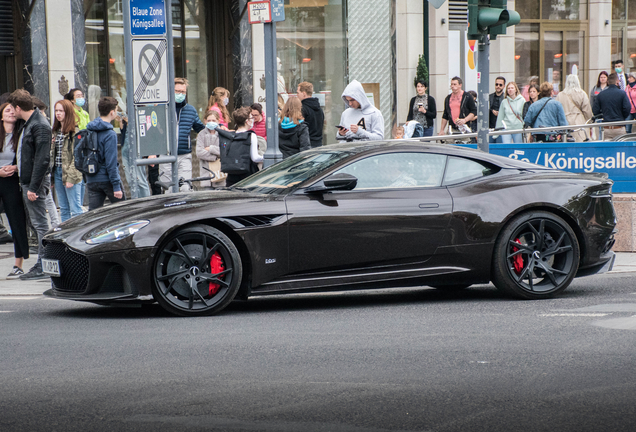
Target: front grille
x,y
73,267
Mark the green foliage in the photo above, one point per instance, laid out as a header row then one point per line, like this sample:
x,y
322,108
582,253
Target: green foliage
x,y
422,71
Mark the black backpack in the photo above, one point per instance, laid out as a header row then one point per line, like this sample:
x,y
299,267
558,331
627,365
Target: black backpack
x,y
86,153
235,152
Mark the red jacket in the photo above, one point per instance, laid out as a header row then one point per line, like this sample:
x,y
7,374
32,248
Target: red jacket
x,y
261,130
631,95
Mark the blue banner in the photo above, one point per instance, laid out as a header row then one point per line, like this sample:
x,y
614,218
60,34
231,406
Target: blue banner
x,y
617,159
147,17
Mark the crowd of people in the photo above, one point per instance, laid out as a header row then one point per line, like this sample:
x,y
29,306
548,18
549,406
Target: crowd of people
x,y
612,99
34,156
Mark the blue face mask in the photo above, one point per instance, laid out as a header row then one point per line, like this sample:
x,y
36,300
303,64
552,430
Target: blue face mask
x,y
211,125
179,97
80,102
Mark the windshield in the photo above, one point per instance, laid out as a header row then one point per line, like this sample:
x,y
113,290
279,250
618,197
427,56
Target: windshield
x,y
282,177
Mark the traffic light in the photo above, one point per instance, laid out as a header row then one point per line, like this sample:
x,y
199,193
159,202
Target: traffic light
x,y
490,16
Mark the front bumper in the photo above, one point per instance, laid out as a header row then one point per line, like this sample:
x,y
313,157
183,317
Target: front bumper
x,y
101,277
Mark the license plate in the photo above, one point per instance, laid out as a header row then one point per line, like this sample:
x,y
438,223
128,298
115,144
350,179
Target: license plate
x,y
51,267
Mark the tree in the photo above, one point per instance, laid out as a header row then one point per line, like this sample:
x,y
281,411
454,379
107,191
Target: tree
x,y
422,71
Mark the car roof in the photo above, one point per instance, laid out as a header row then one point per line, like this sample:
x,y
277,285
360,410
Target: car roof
x,y
373,147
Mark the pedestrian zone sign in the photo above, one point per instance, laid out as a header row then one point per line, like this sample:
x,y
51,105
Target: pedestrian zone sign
x,y
259,12
150,71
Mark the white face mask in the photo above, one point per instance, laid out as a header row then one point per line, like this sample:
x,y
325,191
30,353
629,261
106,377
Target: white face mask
x,y
226,101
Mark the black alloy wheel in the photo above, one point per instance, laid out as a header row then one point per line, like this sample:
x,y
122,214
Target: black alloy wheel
x,y
197,272
536,256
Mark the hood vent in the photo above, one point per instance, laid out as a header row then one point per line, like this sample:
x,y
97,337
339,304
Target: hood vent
x,y
252,221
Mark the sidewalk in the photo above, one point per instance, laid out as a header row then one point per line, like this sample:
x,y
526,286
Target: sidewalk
x,y
625,262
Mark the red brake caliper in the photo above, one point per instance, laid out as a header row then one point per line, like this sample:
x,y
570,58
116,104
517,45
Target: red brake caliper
x,y
216,266
517,260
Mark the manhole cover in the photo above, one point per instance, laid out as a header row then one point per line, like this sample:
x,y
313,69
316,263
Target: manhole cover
x,y
4,255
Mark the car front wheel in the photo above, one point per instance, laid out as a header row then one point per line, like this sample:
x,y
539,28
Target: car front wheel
x,y
536,256
197,272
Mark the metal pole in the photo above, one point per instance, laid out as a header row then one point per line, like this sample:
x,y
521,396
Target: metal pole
x,y
483,67
273,154
172,110
131,130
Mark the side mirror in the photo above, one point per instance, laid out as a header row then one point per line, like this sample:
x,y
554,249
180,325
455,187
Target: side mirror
x,y
341,181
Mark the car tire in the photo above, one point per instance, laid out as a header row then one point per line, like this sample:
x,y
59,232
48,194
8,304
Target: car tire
x,y
536,256
456,287
197,271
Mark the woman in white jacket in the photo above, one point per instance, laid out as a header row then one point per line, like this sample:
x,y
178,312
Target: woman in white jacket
x,y
510,113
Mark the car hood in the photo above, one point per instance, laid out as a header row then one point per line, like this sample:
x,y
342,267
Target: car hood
x,y
167,212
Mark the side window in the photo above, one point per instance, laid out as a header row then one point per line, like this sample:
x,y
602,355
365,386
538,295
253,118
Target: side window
x,y
461,170
398,170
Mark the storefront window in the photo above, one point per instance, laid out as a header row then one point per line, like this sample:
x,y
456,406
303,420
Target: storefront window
x,y
96,53
528,9
564,9
196,55
311,47
618,9
526,53
106,59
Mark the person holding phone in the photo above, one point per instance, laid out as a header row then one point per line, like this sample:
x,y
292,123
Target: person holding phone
x,y
422,108
361,121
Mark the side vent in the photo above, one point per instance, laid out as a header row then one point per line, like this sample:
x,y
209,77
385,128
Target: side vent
x,y
252,221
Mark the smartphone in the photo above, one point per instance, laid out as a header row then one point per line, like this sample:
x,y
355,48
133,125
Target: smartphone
x,y
341,127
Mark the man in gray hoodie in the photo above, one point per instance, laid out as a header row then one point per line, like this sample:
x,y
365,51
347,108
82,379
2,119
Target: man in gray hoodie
x,y
361,121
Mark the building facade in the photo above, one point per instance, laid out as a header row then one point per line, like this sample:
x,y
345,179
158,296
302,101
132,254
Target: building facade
x,y
50,47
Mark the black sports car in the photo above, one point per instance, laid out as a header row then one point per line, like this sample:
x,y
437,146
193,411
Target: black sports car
x,y
340,217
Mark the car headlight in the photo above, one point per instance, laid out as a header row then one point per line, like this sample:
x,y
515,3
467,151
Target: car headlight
x,y
116,232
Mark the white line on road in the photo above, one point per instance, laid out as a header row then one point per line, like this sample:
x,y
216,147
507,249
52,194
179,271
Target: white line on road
x,y
573,315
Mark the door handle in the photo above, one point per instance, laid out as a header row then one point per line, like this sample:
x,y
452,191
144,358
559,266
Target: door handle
x,y
429,205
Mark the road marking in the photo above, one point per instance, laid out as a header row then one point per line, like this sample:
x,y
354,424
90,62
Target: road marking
x,y
628,323
573,315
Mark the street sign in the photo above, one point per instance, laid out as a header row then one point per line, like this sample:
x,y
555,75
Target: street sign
x,y
278,10
147,18
259,12
150,71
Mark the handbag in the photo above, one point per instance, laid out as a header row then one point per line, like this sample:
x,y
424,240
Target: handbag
x,y
215,167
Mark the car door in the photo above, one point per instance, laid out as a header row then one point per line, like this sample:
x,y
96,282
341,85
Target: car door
x,y
398,213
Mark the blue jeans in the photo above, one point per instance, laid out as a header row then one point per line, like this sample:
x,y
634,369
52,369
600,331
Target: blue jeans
x,y
496,139
69,199
514,138
428,131
628,128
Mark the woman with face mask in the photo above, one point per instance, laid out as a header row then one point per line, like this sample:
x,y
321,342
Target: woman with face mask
x,y
208,149
218,102
76,96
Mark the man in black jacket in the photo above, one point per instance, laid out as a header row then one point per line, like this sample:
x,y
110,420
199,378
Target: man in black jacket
x,y
613,106
314,117
495,100
33,157
459,108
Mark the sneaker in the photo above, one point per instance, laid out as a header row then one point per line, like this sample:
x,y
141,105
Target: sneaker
x,y
34,273
15,273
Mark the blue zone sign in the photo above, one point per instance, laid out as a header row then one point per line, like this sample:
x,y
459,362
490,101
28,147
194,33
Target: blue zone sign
x,y
147,17
617,159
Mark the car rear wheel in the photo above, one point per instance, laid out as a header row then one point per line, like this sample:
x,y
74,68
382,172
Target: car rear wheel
x,y
536,256
197,272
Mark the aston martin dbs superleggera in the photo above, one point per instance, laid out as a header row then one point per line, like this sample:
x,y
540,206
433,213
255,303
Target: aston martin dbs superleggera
x,y
350,216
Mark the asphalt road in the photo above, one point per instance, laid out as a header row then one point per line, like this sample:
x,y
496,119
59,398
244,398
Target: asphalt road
x,y
406,359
